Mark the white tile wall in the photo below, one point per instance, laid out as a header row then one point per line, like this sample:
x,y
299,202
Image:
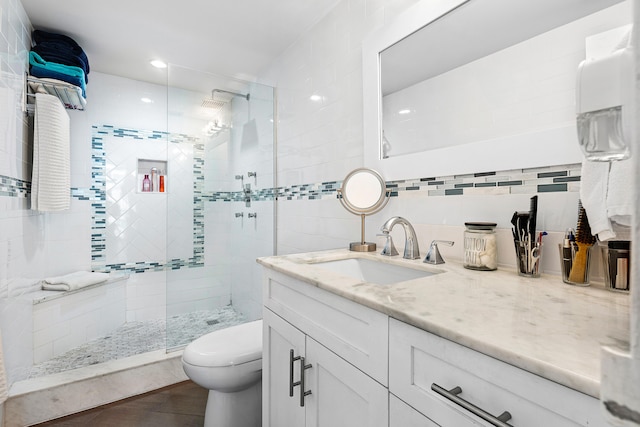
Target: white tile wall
x,y
64,323
146,296
136,221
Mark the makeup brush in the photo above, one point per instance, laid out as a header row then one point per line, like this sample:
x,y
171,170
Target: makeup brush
x,y
584,240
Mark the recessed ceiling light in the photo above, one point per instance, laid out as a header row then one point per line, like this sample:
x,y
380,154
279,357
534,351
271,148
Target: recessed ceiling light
x,y
405,111
158,64
146,100
315,98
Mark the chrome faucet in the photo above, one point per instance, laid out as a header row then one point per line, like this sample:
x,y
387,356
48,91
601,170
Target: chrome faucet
x,y
411,250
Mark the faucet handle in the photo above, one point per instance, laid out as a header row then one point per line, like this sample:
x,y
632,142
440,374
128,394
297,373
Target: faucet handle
x,y
433,256
389,248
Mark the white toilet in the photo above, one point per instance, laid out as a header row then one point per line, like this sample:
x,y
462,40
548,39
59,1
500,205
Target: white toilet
x,y
228,363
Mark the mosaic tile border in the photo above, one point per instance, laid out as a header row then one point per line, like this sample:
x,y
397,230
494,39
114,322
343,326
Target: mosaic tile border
x,y
97,193
14,187
560,178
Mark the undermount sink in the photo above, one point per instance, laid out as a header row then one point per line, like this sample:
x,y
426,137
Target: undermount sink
x,y
379,273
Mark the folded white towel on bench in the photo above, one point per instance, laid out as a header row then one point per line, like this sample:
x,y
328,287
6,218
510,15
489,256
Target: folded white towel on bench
x,y
73,281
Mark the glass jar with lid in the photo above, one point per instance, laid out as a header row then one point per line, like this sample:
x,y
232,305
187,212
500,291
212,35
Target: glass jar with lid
x,y
480,246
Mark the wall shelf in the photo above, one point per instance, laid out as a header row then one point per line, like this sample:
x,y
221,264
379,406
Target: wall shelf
x,y
70,95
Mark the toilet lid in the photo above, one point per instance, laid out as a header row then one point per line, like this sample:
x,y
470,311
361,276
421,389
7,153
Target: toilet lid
x,y
226,347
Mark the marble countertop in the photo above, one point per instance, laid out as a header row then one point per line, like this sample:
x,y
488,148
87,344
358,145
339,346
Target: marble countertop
x,y
538,324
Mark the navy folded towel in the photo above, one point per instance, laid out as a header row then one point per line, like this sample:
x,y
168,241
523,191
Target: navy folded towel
x,y
60,49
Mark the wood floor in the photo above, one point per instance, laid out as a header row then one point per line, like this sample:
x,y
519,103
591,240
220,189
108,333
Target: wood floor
x,y
180,405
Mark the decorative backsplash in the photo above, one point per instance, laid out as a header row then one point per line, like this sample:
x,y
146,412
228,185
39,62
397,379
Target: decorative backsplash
x,y
562,178
14,187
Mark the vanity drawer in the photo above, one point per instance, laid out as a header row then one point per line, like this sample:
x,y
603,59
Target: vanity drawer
x,y
354,332
418,359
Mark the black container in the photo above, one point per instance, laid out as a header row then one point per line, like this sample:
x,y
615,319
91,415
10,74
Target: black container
x,y
616,265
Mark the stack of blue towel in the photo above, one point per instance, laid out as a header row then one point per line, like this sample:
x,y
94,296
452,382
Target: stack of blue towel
x,y
59,57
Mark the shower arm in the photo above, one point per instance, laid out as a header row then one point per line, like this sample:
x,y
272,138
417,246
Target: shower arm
x,y
241,95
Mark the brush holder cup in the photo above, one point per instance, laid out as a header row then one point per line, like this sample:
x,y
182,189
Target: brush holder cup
x,y
567,258
615,256
528,258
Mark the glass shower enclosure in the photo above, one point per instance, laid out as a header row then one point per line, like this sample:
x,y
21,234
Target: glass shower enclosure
x,y
218,180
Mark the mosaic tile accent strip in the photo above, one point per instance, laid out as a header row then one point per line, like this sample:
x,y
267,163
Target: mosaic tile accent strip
x,y
14,187
519,181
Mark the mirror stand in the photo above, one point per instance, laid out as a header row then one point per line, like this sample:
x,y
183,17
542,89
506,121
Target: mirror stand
x,y
362,246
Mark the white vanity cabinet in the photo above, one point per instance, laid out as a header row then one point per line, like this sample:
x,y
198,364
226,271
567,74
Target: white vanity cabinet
x,y
418,360
328,336
365,368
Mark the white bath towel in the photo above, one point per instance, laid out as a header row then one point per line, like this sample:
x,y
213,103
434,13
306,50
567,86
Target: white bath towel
x,y
73,281
620,192
594,181
607,196
51,177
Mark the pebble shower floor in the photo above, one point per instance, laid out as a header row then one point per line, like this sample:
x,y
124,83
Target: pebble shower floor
x,y
140,337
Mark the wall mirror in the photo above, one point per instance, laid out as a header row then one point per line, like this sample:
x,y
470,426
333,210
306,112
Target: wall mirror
x,y
363,192
463,86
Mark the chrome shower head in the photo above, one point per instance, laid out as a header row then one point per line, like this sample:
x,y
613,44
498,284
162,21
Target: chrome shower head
x,y
212,103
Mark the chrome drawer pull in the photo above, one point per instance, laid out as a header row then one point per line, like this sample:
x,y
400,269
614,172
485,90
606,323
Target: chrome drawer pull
x,y
452,395
303,392
291,383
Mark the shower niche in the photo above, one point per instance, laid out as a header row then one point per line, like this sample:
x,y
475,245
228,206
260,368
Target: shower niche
x,y
151,176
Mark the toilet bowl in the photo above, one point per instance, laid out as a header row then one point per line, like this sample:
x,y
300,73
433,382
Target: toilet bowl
x,y
228,363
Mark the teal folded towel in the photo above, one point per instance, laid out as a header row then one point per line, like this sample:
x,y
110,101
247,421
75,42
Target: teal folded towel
x,y
68,73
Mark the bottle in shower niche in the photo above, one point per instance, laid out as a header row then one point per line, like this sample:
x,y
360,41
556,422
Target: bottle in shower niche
x,y
146,184
154,177
480,246
161,182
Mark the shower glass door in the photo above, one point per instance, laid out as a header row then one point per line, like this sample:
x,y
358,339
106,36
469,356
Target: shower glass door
x,y
219,184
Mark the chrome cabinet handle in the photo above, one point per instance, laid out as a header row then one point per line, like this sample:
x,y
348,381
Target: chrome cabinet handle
x,y
292,384
452,395
303,392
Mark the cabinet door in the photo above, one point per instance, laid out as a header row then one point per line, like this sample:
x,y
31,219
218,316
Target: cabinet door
x,y
341,395
403,415
279,338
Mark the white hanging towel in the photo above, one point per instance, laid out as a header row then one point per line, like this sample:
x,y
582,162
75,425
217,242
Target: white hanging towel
x,y
620,202
51,177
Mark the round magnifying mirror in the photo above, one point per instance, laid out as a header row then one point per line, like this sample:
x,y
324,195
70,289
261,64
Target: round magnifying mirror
x,y
363,192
